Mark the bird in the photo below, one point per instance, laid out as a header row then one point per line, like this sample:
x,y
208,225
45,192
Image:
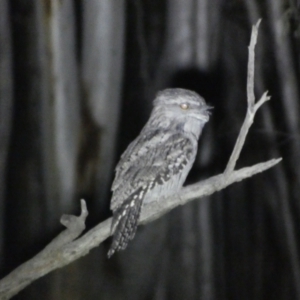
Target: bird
x,y
156,164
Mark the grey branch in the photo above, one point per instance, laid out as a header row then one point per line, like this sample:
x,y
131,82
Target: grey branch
x,y
67,247
252,106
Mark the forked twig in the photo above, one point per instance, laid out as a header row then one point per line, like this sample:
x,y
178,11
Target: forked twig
x,y
252,106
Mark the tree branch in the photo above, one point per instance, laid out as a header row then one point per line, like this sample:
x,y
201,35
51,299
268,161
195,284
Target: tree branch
x,y
65,248
252,107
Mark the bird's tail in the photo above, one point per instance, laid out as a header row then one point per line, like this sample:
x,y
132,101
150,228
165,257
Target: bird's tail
x,y
125,222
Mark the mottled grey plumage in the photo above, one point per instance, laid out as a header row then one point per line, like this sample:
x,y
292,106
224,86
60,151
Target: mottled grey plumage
x,y
158,161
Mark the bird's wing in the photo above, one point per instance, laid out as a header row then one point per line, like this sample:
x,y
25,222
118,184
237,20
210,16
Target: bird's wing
x,y
136,149
148,161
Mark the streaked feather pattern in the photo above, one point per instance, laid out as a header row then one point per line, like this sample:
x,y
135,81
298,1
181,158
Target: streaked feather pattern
x,y
158,161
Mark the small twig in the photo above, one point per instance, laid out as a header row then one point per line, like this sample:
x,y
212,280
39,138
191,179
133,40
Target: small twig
x,y
251,65
252,107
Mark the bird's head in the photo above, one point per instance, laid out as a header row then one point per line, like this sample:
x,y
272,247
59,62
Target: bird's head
x,y
181,107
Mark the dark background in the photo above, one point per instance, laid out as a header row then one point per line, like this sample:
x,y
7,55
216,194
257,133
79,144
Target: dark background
x,y
77,79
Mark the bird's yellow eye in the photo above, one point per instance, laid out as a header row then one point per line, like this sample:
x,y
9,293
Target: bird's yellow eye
x,y
184,106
